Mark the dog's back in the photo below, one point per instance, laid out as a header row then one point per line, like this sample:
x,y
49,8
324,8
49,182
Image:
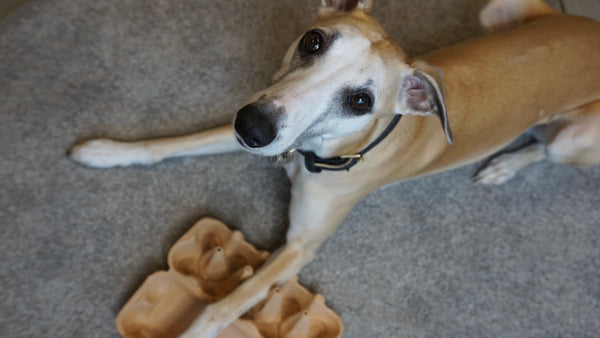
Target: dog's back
x,y
519,78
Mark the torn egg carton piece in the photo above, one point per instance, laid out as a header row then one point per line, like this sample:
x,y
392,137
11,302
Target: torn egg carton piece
x,y
205,265
289,311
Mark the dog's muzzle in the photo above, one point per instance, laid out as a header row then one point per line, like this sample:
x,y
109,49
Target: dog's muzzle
x,y
253,127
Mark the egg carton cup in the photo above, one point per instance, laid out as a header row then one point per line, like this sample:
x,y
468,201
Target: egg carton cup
x,y
289,311
207,263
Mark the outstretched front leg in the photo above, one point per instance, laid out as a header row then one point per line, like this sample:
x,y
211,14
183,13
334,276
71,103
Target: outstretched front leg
x,y
315,212
105,153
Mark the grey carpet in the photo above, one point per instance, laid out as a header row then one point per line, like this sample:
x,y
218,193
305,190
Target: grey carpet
x,y
434,257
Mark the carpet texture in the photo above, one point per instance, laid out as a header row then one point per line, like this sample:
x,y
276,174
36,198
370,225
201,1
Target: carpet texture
x,y
434,257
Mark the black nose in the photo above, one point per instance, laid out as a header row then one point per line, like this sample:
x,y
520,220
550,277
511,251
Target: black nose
x,y
253,127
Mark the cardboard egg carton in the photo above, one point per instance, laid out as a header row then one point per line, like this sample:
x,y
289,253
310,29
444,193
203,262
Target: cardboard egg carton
x,y
205,265
290,311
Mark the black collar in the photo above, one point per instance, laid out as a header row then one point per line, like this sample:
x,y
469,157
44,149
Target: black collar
x,y
316,164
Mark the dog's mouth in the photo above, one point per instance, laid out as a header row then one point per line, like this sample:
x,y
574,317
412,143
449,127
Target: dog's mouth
x,y
257,150
276,150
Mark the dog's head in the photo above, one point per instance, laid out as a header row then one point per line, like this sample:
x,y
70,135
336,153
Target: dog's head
x,y
335,80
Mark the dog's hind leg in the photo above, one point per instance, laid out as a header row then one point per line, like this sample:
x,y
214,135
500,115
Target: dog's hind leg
x,y
104,153
501,15
572,139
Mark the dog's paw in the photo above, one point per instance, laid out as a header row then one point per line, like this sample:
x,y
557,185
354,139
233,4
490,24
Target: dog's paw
x,y
104,153
502,15
498,171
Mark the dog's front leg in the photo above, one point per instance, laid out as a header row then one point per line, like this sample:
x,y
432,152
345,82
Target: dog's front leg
x,y
315,212
105,153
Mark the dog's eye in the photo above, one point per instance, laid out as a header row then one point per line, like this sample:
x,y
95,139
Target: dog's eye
x,y
360,101
312,42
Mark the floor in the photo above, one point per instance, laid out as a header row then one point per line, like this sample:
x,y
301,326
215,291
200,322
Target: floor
x,y
434,257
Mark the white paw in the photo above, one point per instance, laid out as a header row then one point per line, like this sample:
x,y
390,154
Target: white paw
x,y
498,171
501,15
104,153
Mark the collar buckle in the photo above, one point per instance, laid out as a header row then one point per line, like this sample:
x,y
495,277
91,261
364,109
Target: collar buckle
x,y
359,157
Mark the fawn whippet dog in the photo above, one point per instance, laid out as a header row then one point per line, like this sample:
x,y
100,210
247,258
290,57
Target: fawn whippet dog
x,y
333,111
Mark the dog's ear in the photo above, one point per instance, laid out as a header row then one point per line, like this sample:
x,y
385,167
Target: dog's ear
x,y
423,94
329,6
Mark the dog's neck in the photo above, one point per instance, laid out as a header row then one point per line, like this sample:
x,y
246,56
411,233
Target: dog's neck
x,y
355,142
342,154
